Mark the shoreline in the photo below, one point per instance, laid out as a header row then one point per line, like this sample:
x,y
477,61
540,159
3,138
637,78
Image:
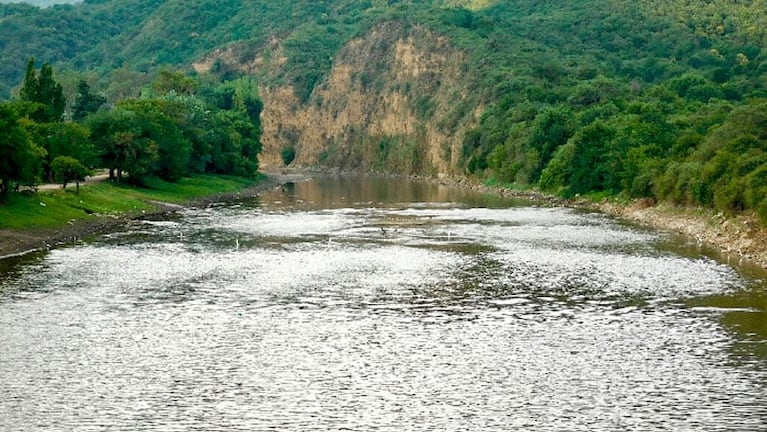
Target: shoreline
x,y
740,237
733,238
15,244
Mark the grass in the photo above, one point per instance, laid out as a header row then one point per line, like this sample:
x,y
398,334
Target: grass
x,y
52,209
494,182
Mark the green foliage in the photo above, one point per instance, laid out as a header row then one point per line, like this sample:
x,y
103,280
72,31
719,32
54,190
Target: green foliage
x,y
551,128
396,154
652,98
727,170
157,133
169,80
62,139
178,133
19,155
43,89
288,154
68,169
310,56
86,102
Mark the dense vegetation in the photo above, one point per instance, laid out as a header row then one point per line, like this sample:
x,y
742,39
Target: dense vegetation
x,y
167,134
650,98
623,105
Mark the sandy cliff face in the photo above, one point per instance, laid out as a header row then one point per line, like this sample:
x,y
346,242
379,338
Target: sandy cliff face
x,y
394,101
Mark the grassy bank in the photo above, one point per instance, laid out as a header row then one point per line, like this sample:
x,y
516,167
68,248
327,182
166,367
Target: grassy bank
x,y
53,209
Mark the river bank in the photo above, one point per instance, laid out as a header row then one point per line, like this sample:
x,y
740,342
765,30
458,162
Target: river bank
x,y
738,238
15,242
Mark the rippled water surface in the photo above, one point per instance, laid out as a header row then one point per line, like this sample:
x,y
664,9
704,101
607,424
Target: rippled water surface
x,y
375,304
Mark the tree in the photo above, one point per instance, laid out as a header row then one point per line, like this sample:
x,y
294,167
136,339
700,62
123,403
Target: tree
x,y
111,132
67,169
174,81
19,154
551,128
43,89
234,144
192,117
595,165
30,85
157,127
63,139
51,94
85,102
246,99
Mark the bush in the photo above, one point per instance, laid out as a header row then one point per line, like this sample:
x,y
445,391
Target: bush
x,y
288,154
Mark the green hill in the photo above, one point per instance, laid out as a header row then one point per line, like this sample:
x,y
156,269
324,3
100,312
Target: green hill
x,y
660,99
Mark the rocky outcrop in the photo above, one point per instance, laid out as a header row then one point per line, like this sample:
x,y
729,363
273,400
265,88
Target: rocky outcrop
x,y
395,100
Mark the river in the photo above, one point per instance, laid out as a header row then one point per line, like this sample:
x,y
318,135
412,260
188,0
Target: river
x,y
359,303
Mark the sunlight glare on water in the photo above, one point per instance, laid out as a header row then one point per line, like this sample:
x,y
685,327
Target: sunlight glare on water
x,y
378,304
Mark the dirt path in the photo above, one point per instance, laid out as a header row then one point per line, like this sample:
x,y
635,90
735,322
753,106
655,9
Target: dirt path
x,y
96,178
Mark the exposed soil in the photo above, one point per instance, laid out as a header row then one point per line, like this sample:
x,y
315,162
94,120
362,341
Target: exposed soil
x,y
741,236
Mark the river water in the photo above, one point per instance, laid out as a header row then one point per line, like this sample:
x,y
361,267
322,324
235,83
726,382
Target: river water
x,y
355,303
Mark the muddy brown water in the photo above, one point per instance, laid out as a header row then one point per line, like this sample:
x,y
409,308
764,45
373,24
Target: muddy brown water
x,y
359,303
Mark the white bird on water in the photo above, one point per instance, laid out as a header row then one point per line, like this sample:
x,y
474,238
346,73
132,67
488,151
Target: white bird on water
x,y
237,244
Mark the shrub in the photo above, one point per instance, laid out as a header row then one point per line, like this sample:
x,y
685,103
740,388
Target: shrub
x,y
288,154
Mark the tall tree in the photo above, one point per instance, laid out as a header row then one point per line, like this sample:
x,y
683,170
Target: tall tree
x,y
29,88
63,139
43,89
51,94
86,102
19,155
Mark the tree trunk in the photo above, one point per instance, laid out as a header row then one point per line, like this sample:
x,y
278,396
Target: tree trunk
x,y
77,188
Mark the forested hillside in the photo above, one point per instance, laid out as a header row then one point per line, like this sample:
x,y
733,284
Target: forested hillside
x,y
650,98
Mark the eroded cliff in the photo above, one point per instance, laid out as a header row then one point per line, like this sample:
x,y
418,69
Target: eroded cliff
x,y
395,100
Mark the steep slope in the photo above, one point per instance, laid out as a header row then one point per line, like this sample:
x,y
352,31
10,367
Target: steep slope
x,y
66,35
402,96
393,101
597,96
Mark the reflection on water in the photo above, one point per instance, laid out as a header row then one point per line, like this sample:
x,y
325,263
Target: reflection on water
x,y
357,303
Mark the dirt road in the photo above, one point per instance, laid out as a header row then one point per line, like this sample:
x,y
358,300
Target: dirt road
x,y
98,177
